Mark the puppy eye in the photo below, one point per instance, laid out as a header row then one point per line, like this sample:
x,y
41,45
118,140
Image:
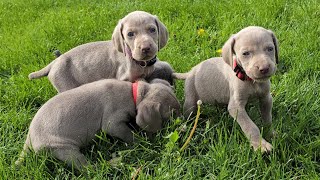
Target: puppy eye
x,y
152,30
269,49
247,53
130,34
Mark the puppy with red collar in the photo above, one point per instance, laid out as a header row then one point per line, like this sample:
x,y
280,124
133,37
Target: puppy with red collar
x,y
243,73
70,120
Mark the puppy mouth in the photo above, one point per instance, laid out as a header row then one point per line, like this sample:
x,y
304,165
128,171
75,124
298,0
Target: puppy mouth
x,y
262,79
145,57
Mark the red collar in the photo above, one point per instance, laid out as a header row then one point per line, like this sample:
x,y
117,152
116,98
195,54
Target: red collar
x,y
240,73
135,92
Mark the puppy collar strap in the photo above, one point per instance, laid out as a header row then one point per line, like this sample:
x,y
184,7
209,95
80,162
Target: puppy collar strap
x,y
240,73
135,92
146,63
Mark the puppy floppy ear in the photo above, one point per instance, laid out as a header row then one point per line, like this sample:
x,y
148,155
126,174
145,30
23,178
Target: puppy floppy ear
x,y
149,117
276,45
117,37
228,51
143,89
163,34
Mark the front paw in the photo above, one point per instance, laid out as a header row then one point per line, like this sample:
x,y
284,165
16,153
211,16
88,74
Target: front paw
x,y
263,145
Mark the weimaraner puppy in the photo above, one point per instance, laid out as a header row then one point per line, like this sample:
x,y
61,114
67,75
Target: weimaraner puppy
x,y
71,119
130,55
243,73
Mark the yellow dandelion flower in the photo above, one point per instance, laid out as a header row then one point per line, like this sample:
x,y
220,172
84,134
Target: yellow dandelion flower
x,y
201,32
219,51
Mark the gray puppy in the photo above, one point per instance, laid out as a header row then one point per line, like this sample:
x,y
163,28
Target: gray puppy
x,y
248,61
71,119
130,55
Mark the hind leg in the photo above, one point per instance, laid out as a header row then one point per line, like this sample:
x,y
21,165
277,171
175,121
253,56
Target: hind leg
x,y
72,156
62,78
22,155
191,97
24,152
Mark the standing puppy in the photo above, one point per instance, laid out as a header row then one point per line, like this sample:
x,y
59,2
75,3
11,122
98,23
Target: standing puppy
x,y
129,56
248,61
71,119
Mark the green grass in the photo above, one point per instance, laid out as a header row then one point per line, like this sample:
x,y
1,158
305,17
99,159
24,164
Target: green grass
x,y
31,30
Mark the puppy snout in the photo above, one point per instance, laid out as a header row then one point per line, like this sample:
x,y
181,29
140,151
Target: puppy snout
x,y
145,49
264,70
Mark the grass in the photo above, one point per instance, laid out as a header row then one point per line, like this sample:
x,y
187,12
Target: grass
x,y
31,30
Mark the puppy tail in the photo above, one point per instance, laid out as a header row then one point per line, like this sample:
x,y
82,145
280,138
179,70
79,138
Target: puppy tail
x,y
23,153
43,72
57,53
182,76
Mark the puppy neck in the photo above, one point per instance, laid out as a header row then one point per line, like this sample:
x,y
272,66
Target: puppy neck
x,y
240,73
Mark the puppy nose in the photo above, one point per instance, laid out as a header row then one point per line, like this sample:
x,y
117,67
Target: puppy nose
x,y
264,70
145,49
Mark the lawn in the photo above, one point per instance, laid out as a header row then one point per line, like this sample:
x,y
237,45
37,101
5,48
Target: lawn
x,y
31,30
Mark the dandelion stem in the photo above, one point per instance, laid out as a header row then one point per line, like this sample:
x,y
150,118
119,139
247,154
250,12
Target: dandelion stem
x,y
194,127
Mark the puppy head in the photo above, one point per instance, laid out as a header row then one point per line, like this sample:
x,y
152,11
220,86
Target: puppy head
x,y
255,49
155,106
160,81
140,35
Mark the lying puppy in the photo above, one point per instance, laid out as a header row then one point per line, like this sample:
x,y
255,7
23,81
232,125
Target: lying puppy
x,y
129,56
71,119
248,61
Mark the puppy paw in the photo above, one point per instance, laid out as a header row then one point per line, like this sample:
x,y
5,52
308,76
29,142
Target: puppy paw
x,y
263,145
